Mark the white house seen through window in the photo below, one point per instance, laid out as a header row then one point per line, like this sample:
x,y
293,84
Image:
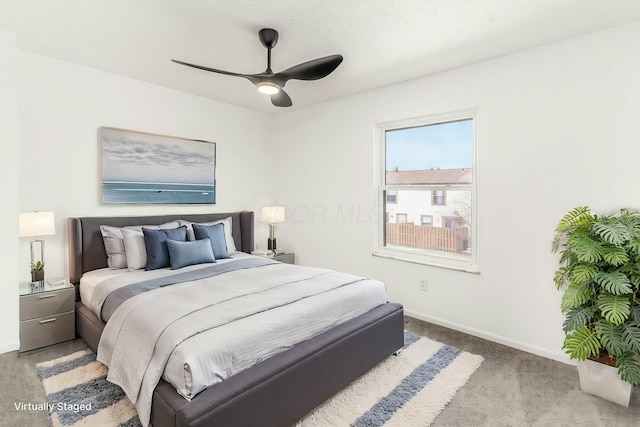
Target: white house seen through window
x,y
427,190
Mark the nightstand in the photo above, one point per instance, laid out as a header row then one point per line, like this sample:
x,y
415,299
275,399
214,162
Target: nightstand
x,y
47,315
287,258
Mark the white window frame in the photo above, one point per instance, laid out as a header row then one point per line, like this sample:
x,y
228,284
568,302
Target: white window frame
x,y
421,256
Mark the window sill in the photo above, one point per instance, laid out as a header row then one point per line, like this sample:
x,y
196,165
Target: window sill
x,y
473,269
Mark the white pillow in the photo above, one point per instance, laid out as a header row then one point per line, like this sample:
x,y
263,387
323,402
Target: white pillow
x,y
114,242
135,249
113,246
228,228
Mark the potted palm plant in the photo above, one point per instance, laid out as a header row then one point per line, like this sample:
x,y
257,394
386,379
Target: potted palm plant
x,y
599,274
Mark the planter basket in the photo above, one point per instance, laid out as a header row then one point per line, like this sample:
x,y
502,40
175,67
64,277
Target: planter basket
x,y
603,381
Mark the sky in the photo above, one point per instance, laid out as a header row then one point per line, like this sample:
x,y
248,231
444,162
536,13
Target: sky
x,y
135,157
445,146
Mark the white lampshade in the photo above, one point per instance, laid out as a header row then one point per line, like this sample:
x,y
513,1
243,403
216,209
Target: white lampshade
x,y
37,224
272,214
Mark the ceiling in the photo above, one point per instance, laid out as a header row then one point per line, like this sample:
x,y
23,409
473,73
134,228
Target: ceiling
x,y
383,41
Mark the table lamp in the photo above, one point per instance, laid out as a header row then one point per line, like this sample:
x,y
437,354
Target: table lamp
x,y
36,224
272,215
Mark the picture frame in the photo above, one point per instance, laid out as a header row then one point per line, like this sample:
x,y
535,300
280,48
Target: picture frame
x,y
147,168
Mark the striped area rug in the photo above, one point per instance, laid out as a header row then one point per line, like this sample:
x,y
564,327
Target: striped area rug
x,y
409,390
79,394
403,391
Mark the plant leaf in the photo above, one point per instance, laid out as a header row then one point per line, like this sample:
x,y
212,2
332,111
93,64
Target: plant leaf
x,y
586,248
634,245
615,308
578,317
576,218
582,274
615,282
575,295
559,278
611,230
635,316
628,368
611,337
581,344
615,255
631,337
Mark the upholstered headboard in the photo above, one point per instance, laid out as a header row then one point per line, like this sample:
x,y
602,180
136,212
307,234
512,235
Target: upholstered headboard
x,y
86,247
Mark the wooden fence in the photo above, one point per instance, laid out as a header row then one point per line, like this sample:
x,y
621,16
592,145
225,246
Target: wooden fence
x,y
427,237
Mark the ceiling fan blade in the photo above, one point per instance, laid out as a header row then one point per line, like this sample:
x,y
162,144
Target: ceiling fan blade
x,y
213,70
281,99
312,70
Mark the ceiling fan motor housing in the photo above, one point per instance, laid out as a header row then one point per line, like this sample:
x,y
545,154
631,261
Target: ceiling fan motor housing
x,y
268,37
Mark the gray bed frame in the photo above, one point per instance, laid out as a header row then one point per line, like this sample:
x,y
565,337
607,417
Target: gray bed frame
x,y
276,392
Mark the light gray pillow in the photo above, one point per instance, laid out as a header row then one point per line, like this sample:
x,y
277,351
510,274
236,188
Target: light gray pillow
x,y
114,242
228,228
113,246
135,249
182,254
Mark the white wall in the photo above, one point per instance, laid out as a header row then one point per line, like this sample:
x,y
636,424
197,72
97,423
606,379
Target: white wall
x,y
9,211
557,128
62,105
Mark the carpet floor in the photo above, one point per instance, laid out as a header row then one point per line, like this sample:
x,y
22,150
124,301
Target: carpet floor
x,y
410,389
511,388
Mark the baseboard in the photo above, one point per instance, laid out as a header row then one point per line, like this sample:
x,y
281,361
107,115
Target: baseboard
x,y
559,356
9,346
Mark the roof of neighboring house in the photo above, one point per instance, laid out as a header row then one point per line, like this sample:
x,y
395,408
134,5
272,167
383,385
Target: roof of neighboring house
x,y
430,176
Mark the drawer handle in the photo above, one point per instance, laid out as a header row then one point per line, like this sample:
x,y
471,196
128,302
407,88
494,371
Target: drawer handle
x,y
47,296
53,319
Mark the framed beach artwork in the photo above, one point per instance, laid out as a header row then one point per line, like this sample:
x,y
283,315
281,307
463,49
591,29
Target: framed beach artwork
x,y
145,168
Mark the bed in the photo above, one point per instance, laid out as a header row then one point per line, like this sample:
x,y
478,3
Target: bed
x,y
275,392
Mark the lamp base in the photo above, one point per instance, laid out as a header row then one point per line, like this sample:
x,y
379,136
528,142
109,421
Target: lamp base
x,y
271,243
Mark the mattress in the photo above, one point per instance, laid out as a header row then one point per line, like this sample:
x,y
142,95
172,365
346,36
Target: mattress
x,y
90,280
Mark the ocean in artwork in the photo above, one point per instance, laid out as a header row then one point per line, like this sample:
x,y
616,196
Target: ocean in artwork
x,y
157,192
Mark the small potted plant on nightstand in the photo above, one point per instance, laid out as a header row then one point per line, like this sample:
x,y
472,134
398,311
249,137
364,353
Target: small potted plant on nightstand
x,y
600,277
37,271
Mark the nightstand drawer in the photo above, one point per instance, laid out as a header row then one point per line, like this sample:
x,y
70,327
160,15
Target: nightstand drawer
x,y
47,303
287,258
47,330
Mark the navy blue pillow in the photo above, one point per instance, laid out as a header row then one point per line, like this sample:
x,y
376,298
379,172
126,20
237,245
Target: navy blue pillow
x,y
156,243
182,254
216,234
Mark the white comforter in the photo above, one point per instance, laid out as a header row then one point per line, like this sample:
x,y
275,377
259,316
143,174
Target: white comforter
x,y
200,332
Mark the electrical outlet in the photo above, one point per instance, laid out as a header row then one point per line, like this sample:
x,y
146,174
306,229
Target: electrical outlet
x,y
422,285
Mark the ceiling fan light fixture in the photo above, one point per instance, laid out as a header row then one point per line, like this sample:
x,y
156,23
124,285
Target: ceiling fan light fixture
x,y
268,88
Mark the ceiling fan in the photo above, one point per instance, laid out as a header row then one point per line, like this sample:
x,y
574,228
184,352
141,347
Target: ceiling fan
x,y
271,83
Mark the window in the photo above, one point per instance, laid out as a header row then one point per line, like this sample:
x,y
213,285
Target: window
x,y
453,222
427,171
438,198
392,197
